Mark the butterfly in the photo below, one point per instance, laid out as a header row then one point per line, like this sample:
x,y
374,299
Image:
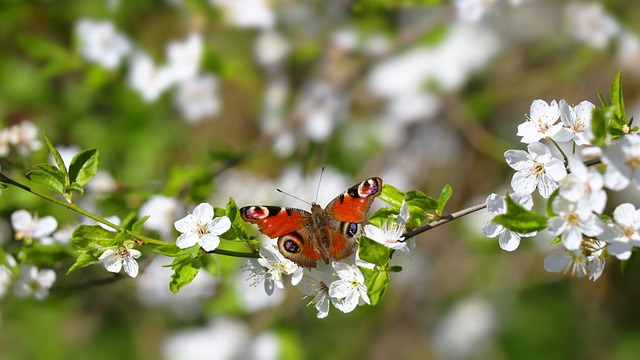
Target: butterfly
x,y
322,234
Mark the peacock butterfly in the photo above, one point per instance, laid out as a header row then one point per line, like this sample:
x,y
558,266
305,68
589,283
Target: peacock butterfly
x,y
322,234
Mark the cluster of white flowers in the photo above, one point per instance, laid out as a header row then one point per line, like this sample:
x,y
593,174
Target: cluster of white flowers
x,y
341,283
196,97
22,136
586,235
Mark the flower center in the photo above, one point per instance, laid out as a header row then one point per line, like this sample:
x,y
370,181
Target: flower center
x,y
202,230
122,252
633,161
573,218
538,168
628,231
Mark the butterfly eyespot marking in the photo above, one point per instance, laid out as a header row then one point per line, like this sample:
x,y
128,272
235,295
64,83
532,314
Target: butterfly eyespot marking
x,y
351,229
290,243
256,212
368,188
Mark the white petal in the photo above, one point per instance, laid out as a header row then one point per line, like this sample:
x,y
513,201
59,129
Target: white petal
x,y
496,205
491,229
113,264
509,240
562,135
108,253
524,200
523,182
187,224
529,132
203,213
538,150
557,261
44,227
187,240
614,179
220,225
546,186
209,242
572,239
130,267
556,225
620,250
555,169
518,159
134,253
339,289
46,278
297,276
21,220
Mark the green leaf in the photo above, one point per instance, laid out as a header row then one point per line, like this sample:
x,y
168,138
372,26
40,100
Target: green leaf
x,y
86,258
420,200
373,252
85,236
210,265
185,270
519,219
83,166
617,100
380,216
137,226
238,226
47,180
392,196
377,283
556,241
444,197
45,255
599,126
169,249
603,102
57,158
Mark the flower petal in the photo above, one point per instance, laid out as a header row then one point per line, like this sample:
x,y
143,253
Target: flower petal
x,y
203,213
209,242
130,267
187,240
220,225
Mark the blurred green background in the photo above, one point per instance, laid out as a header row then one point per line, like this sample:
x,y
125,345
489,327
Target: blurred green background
x,y
458,297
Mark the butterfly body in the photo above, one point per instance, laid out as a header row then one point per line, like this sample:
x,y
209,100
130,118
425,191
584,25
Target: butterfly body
x,y
322,234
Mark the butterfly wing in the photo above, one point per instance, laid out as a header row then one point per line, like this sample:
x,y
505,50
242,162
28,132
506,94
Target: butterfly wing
x,y
349,211
292,227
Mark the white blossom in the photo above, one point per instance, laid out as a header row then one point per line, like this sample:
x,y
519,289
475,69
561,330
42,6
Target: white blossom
x,y
392,231
586,261
584,184
114,259
315,283
201,228
542,122
623,232
574,220
349,290
622,159
30,227
576,121
496,205
270,268
101,43
591,24
32,281
535,169
197,98
184,57
149,79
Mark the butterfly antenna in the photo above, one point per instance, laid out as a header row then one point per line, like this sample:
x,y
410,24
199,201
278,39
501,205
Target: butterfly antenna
x,y
319,182
293,196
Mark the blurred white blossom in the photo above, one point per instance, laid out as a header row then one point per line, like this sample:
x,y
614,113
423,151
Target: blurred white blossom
x,y
197,98
591,24
34,282
184,57
32,227
100,42
248,13
162,211
149,79
270,48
